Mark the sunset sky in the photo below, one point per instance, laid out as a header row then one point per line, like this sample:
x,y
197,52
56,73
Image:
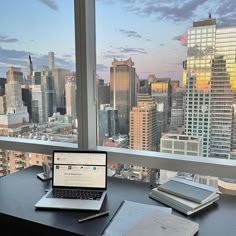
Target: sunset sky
x,y
152,32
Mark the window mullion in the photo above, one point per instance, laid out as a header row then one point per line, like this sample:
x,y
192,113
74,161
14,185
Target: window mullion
x,y
85,72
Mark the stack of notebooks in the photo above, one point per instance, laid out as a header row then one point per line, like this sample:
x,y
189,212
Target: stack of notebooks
x,y
184,195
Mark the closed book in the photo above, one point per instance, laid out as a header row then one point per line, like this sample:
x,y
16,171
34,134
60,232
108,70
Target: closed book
x,y
128,214
163,224
181,202
187,189
177,207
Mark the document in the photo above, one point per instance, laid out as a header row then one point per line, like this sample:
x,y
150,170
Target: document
x,y
163,224
128,215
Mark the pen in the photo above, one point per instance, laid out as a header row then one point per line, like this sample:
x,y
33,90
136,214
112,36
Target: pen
x,y
94,216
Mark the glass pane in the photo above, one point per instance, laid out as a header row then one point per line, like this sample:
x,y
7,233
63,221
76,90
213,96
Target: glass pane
x,y
37,71
166,83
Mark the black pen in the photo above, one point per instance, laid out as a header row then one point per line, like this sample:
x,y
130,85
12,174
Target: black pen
x,y
94,216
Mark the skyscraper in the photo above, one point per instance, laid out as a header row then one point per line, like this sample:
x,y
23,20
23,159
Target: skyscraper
x,y
108,122
201,51
177,109
16,117
143,125
59,75
209,67
123,90
221,109
197,113
70,92
30,69
161,93
143,131
103,93
51,61
43,96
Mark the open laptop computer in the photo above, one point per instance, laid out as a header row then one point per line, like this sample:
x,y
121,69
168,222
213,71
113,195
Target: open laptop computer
x,y
79,181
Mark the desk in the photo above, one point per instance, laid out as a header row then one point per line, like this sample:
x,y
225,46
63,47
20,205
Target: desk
x,y
21,190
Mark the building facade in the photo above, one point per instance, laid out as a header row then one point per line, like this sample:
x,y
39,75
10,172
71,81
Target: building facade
x,y
70,93
16,117
211,61
108,122
122,90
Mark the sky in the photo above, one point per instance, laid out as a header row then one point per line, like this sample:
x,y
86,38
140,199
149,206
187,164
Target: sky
x,y
151,32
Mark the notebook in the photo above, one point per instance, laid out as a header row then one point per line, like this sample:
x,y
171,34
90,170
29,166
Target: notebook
x,y
163,224
79,181
190,190
128,214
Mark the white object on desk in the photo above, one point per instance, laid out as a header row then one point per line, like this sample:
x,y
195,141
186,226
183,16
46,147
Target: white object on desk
x,y
128,215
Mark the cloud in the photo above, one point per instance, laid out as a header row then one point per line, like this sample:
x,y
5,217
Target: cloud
x,y
181,10
133,51
50,3
123,52
102,67
113,55
182,39
6,39
226,12
162,44
130,33
67,55
176,10
10,57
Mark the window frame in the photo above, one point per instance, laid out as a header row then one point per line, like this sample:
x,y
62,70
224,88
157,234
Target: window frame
x,y
85,39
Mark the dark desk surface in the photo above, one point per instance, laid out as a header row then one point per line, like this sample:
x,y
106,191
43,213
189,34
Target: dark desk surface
x,y
20,191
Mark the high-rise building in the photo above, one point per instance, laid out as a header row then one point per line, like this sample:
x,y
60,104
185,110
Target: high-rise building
x,y
177,109
59,75
70,92
143,86
123,89
43,96
143,131
16,117
201,51
206,43
30,69
108,122
143,125
51,61
197,113
103,93
221,109
161,93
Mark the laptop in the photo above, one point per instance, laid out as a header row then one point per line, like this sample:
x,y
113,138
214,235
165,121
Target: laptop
x,y
79,181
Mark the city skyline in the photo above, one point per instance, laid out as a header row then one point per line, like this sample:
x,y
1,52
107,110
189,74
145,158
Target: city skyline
x,y
152,33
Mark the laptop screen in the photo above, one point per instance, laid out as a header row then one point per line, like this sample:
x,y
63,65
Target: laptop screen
x,y
79,169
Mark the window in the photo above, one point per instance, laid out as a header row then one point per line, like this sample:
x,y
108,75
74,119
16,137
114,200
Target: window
x,y
87,91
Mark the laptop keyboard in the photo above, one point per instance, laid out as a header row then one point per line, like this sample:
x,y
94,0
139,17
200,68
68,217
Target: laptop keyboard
x,y
75,194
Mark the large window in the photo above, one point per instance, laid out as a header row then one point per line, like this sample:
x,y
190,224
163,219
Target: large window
x,y
157,69
37,71
132,101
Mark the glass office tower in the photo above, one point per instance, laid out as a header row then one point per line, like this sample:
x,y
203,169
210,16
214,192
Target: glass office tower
x,y
211,61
